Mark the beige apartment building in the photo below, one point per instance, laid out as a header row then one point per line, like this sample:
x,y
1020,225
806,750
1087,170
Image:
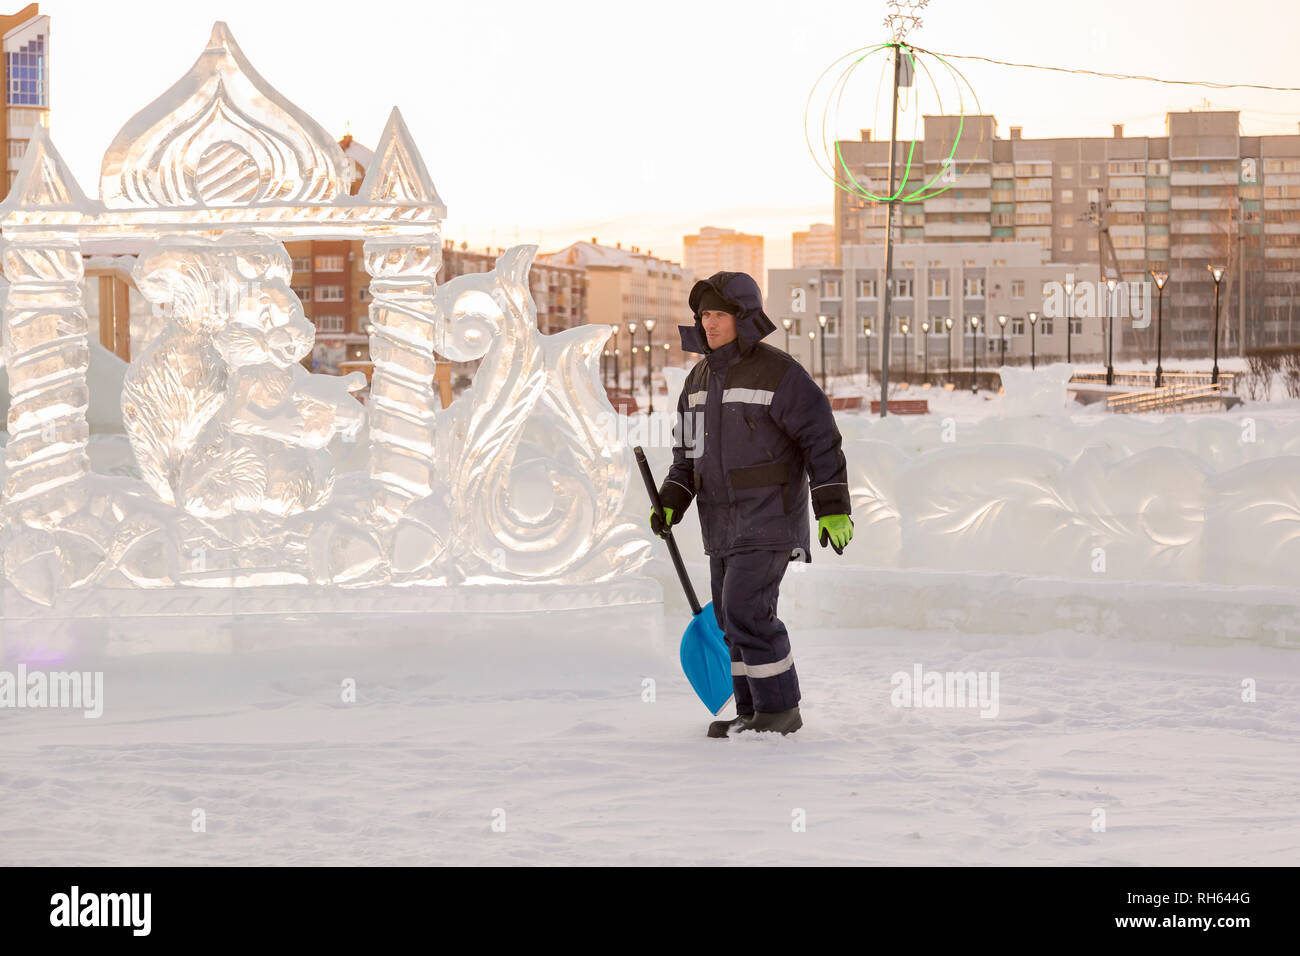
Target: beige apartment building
x,y
814,247
26,82
630,286
723,250
936,282
1201,195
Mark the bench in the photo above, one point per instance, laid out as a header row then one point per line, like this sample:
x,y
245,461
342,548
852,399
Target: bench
x,y
903,406
846,403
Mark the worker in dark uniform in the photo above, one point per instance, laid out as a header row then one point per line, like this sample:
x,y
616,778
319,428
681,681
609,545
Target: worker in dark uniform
x,y
765,441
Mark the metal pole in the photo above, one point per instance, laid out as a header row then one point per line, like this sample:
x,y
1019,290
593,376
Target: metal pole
x,y
823,338
1214,378
1110,339
889,242
1160,329
1069,354
650,369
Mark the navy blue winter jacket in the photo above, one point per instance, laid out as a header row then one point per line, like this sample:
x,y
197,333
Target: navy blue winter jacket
x,y
766,436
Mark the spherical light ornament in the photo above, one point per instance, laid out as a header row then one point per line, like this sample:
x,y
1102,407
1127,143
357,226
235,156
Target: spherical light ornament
x,y
839,104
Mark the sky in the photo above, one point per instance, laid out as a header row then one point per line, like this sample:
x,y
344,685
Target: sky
x,y
548,123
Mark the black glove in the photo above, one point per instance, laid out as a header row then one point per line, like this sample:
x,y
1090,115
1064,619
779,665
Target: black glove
x,y
658,525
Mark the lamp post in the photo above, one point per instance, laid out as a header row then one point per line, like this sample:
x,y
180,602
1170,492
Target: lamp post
x,y
650,363
1033,339
821,320
1110,333
812,359
631,361
1160,278
948,326
866,357
902,327
974,354
605,363
1069,297
925,328
618,374
1002,346
787,324
1217,272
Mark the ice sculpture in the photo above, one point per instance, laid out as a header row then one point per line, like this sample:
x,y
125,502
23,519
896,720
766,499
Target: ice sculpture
x,y
515,482
222,417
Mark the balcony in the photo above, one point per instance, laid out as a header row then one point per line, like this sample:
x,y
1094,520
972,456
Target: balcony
x,y
953,229
1228,178
944,204
1200,202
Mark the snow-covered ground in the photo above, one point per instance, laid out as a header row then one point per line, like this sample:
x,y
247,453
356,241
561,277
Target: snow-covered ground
x,y
564,744
1138,721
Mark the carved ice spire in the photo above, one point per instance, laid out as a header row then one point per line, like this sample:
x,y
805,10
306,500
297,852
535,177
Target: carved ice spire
x,y
222,136
397,173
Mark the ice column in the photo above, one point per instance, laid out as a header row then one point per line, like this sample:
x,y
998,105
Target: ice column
x,y
47,355
402,279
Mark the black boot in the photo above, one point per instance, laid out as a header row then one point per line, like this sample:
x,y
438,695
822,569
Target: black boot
x,y
783,722
719,728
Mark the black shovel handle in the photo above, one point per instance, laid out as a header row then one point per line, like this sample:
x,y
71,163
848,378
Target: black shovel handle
x,y
673,553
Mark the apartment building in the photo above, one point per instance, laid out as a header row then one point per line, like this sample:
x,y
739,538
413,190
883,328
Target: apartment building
x,y
936,282
813,247
629,286
1201,195
26,82
723,250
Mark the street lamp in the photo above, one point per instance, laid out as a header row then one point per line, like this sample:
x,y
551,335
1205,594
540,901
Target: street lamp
x,y
1069,299
1161,278
925,327
787,323
948,326
1217,272
631,362
1110,333
812,336
650,364
975,353
1002,347
902,327
821,320
618,374
605,356
866,352
1033,338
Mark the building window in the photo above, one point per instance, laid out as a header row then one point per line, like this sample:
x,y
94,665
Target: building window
x,y
831,289
303,292
329,293
27,73
1017,326
866,288
1094,172
300,264
330,323
904,288
1017,288
1067,244
1067,195
364,294
330,263
832,326
1067,172
938,288
1045,326
974,286
17,147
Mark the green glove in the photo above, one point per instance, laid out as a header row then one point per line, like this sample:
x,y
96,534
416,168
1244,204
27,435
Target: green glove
x,y
659,526
838,529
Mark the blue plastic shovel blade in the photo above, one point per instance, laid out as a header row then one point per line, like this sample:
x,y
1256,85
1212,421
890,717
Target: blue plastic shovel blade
x,y
706,660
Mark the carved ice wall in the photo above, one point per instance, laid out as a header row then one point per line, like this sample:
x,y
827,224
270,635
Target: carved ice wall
x,y
518,480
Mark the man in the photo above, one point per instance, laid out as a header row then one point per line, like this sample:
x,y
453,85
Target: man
x,y
766,430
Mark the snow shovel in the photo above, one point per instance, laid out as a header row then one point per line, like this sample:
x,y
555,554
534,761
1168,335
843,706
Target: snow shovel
x,y
705,658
